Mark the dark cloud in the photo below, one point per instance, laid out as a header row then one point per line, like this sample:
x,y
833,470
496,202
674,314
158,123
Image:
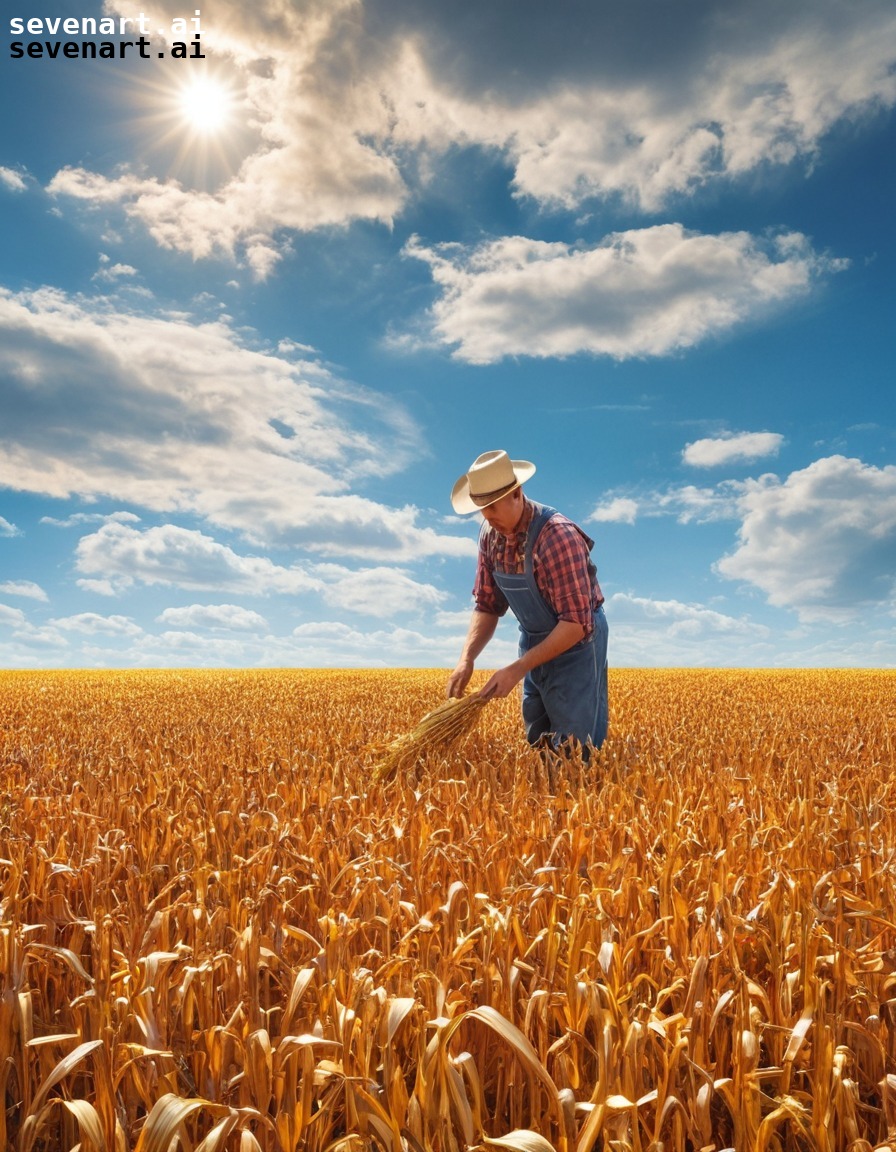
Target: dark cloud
x,y
518,47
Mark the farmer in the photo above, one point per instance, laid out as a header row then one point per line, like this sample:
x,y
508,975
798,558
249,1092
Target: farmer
x,y
534,560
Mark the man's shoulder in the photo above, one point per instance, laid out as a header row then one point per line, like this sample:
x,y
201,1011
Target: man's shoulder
x,y
557,519
557,522
559,527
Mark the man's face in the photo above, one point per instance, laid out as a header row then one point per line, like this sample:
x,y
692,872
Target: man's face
x,y
504,514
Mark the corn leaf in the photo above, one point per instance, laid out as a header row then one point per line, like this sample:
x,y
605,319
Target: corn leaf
x,y
520,1140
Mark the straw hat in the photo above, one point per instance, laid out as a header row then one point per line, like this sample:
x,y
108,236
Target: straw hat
x,y
491,476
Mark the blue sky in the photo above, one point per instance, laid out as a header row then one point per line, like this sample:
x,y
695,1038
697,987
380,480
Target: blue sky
x,y
259,311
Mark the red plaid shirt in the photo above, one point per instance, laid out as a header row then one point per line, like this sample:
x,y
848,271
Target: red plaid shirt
x,y
564,573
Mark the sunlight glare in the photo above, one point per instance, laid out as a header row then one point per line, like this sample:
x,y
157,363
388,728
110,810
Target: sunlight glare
x,y
205,105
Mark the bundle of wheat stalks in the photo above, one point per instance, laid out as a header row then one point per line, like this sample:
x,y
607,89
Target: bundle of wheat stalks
x,y
439,731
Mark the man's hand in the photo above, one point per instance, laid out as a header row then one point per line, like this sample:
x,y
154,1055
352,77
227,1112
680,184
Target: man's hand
x,y
459,678
564,634
503,682
481,630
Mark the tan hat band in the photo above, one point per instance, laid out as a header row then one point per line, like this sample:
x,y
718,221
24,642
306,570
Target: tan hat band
x,y
483,498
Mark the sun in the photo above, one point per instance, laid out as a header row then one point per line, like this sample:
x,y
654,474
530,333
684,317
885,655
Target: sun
x,y
205,105
199,128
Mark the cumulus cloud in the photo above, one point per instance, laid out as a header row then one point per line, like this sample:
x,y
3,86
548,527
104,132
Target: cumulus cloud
x,y
619,510
176,415
640,103
693,505
171,556
44,645
11,180
110,272
382,592
23,588
688,503
11,617
666,633
91,624
8,529
732,447
98,587
182,558
352,103
217,617
643,292
682,619
823,541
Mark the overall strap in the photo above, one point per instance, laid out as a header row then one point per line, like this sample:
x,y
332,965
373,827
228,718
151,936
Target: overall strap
x,y
540,517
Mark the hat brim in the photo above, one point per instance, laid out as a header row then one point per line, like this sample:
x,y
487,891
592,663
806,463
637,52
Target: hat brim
x,y
463,503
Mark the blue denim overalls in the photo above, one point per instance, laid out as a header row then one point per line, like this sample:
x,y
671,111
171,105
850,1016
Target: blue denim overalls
x,y
567,696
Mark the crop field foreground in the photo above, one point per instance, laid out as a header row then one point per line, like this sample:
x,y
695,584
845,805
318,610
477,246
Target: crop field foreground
x,y
220,930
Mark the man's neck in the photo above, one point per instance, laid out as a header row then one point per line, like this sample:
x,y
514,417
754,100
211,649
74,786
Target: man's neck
x,y
525,511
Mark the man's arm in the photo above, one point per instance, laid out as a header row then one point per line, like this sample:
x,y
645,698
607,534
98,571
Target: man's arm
x,y
482,628
564,635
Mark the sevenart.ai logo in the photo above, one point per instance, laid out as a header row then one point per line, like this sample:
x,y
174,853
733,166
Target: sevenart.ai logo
x,y
103,38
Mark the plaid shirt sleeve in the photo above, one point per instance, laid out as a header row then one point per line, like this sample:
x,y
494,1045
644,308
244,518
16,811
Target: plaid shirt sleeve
x,y
564,572
487,596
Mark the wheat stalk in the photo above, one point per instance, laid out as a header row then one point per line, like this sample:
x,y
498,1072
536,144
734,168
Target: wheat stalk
x,y
439,731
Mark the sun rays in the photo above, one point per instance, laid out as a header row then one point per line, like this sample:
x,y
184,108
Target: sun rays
x,y
194,124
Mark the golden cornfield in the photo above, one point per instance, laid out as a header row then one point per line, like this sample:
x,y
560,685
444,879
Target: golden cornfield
x,y
218,931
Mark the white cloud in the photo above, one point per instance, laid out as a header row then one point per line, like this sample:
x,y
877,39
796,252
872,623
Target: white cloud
x,y
11,180
224,617
626,108
8,529
668,633
174,415
688,503
643,292
112,272
91,624
618,510
11,617
171,556
693,505
23,588
713,451
323,644
351,104
49,641
823,541
77,519
26,645
680,618
456,619
822,647
381,592
766,103
99,587
337,644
